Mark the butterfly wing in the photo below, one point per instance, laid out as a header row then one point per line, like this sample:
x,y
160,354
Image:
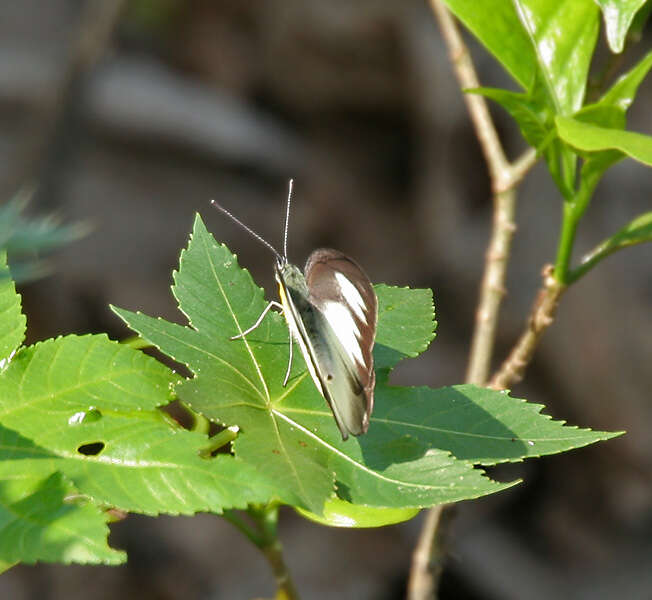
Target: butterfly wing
x,y
346,314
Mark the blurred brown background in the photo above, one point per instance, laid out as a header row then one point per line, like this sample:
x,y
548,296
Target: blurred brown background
x,y
227,99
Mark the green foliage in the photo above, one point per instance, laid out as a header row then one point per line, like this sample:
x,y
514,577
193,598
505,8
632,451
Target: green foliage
x,y
547,46
618,17
406,460
637,231
12,321
340,513
81,428
589,138
24,238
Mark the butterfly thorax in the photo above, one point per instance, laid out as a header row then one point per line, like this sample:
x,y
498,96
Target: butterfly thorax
x,y
290,276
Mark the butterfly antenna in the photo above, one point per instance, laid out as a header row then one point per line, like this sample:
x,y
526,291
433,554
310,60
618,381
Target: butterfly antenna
x,y
247,229
287,221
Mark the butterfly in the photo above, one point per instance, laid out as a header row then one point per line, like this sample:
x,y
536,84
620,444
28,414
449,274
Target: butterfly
x,y
331,312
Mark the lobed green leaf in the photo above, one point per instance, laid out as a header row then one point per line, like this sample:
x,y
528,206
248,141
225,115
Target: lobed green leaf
x,y
90,406
402,462
42,518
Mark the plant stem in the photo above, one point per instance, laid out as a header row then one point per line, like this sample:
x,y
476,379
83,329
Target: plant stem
x,y
572,213
273,551
429,555
541,317
566,239
265,537
492,288
253,536
428,558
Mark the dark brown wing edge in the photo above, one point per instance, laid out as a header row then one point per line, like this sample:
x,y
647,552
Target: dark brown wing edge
x,y
320,272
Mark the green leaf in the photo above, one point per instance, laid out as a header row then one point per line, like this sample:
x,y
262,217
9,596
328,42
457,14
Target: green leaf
x,y
535,120
22,237
623,91
40,520
637,231
291,430
339,513
90,406
477,424
400,337
637,27
12,321
498,27
609,113
618,16
588,138
602,115
18,234
398,463
563,34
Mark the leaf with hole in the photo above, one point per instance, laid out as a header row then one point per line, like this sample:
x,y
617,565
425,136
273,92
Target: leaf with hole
x,y
91,405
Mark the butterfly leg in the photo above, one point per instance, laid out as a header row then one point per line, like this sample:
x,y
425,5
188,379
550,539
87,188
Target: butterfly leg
x,y
287,373
259,321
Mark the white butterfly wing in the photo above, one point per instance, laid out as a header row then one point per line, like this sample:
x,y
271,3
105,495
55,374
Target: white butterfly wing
x,y
347,308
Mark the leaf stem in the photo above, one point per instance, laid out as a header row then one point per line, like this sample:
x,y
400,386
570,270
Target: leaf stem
x,y
265,537
219,440
573,211
232,517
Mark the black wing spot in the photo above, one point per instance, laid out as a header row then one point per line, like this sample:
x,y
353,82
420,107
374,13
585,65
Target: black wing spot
x,y
329,377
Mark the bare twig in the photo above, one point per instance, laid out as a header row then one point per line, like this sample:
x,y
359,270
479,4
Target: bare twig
x,y
504,177
541,317
492,288
428,557
476,105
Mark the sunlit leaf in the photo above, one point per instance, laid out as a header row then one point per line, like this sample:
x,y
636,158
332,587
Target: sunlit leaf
x,y
563,33
618,16
339,513
44,519
12,321
498,27
623,91
637,231
291,431
588,138
90,406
